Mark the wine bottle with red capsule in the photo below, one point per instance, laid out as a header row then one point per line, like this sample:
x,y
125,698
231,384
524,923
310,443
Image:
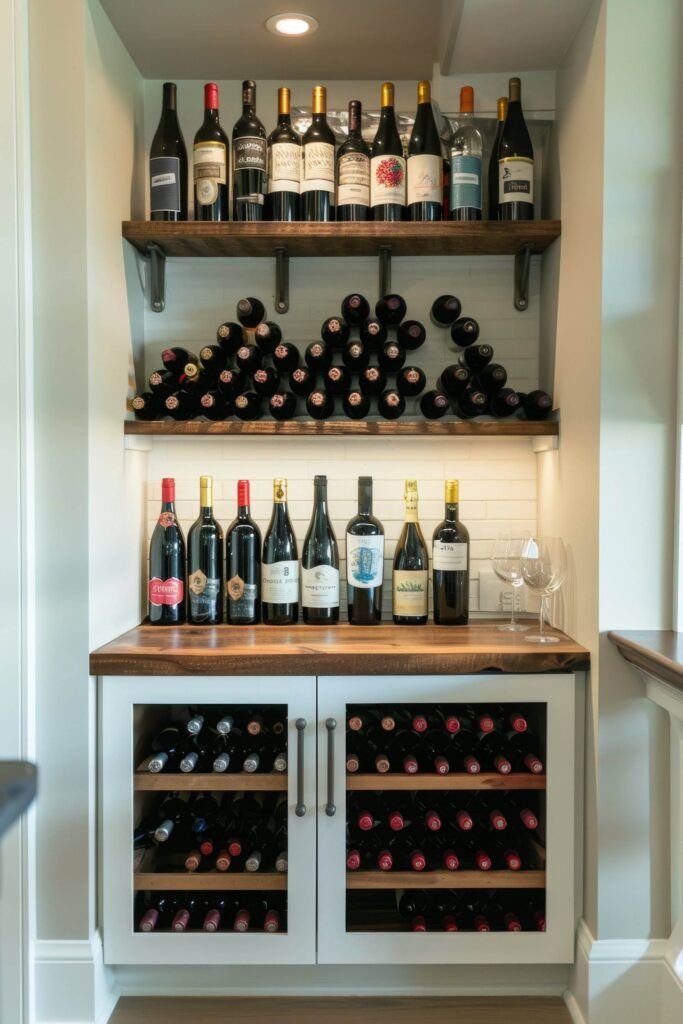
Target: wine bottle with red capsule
x,y
423,810
521,749
493,749
364,813
413,907
441,853
439,753
403,752
156,910
167,563
489,812
522,811
302,381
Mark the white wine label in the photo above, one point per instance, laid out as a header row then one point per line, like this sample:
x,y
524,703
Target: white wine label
x,y
249,153
210,171
164,180
387,180
284,167
353,179
516,180
364,561
320,587
280,582
449,557
425,179
317,173
410,589
465,182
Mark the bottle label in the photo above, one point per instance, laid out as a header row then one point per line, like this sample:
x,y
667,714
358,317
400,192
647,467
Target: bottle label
x,y
449,557
317,174
516,180
210,171
410,591
425,178
364,561
284,169
387,180
170,591
204,596
241,597
164,181
280,582
249,153
353,179
465,182
320,587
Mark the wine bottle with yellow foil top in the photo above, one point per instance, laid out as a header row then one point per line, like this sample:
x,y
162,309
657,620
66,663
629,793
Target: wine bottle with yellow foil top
x,y
280,568
205,562
410,581
387,164
425,162
493,162
317,171
451,565
284,164
515,162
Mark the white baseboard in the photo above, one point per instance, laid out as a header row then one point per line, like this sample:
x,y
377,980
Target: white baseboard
x,y
573,1008
72,985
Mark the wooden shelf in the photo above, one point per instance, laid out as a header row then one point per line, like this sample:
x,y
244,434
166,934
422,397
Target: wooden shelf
x,y
445,879
211,881
450,238
453,781
336,427
213,782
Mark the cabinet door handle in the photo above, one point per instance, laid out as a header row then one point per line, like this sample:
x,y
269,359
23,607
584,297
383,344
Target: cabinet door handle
x,y
330,809
300,808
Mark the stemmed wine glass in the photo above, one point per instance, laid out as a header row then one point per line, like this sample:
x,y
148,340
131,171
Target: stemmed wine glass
x,y
544,568
506,560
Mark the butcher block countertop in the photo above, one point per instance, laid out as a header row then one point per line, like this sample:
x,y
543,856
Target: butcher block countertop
x,y
332,650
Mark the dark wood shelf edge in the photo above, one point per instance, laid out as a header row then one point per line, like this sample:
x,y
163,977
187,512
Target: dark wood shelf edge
x,y
657,652
363,428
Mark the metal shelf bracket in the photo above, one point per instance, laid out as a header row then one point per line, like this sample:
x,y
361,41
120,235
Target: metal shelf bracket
x,y
522,265
281,280
157,278
384,270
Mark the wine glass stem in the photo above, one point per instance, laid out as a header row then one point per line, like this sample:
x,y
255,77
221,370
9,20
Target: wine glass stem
x,y
512,609
542,617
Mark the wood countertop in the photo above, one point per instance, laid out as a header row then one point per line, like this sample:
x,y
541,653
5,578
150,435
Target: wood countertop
x,y
658,652
331,650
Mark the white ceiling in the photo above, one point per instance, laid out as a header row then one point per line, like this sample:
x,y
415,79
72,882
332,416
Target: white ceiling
x,y
356,39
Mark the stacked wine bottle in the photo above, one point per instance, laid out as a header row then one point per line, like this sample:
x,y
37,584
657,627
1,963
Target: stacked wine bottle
x,y
358,367
448,910
210,912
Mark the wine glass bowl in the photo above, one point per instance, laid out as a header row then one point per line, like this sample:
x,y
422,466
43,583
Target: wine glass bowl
x,y
544,570
506,561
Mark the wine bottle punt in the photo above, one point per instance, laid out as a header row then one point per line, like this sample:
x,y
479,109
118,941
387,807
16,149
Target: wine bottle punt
x,y
411,566
284,164
210,163
493,161
317,176
355,309
464,331
356,405
243,564
249,160
145,406
168,163
390,310
320,405
515,162
450,565
425,162
320,563
280,568
387,164
434,405
364,560
166,589
445,310
250,312
465,162
282,405
353,171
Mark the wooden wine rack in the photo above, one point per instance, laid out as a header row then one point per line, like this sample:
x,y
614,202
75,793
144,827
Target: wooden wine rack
x,y
211,881
445,880
486,781
211,782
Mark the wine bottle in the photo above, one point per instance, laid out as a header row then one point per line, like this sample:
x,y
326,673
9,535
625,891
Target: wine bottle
x,y
249,160
249,358
355,356
320,405
466,152
476,357
250,312
491,379
515,162
537,405
425,162
445,310
390,310
372,380
372,333
168,163
231,336
205,562
451,565
464,331
266,381
286,356
180,405
175,360
356,405
280,569
411,334
210,161
282,405
411,566
168,749
320,564
166,590
284,164
162,383
248,406
337,380
317,174
433,405
391,404
335,332
243,564
267,335
355,309
145,406
302,380
387,164
392,357
232,382
214,358
353,170
493,161
454,379
470,404
364,560
411,381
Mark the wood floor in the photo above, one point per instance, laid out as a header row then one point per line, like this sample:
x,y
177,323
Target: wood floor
x,y
157,1010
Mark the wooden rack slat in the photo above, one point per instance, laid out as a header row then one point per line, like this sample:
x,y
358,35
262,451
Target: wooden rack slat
x,y
321,428
453,781
214,782
445,879
189,881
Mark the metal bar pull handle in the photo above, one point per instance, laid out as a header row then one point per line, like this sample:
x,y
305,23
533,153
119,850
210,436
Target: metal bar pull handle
x,y
330,809
300,808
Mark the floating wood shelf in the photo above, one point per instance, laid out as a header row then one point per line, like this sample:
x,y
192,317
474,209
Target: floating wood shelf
x,y
449,238
445,880
366,428
211,782
453,781
212,881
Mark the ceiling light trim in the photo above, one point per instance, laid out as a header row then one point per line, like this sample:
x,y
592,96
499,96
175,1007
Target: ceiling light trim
x,y
291,25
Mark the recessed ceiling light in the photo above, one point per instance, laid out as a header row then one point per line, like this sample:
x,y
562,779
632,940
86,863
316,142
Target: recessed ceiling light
x,y
291,24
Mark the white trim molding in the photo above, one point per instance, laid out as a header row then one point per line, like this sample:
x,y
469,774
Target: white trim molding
x,y
71,983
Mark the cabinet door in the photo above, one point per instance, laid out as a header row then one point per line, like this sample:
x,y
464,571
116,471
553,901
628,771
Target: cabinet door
x,y
132,711
358,917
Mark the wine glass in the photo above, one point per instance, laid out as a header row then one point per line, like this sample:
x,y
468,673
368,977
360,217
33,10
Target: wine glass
x,y
506,560
544,568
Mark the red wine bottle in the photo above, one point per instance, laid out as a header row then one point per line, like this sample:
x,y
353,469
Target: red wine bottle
x,y
280,568
353,171
213,358
320,405
205,562
335,332
504,403
145,406
162,383
372,380
286,357
248,406
391,404
515,162
231,336
434,405
491,379
215,405
454,380
168,163
210,162
411,334
282,405
317,174
266,381
372,333
464,331
250,312
445,310
451,565
390,310
387,164
249,358
537,405
180,405
337,380
411,381
425,162
284,164
493,161
267,335
471,404
356,405
166,589
232,382
355,309
355,356
364,560
392,357
249,160
476,357
318,356
243,565
302,381
175,360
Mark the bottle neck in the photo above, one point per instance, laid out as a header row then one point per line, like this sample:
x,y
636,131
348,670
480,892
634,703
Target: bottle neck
x,y
319,118
320,501
168,506
451,511
211,116
364,501
169,98
248,110
244,511
285,120
411,512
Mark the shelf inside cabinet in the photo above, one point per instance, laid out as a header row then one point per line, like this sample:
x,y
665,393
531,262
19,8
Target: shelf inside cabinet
x,y
445,880
212,782
454,781
336,427
210,881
